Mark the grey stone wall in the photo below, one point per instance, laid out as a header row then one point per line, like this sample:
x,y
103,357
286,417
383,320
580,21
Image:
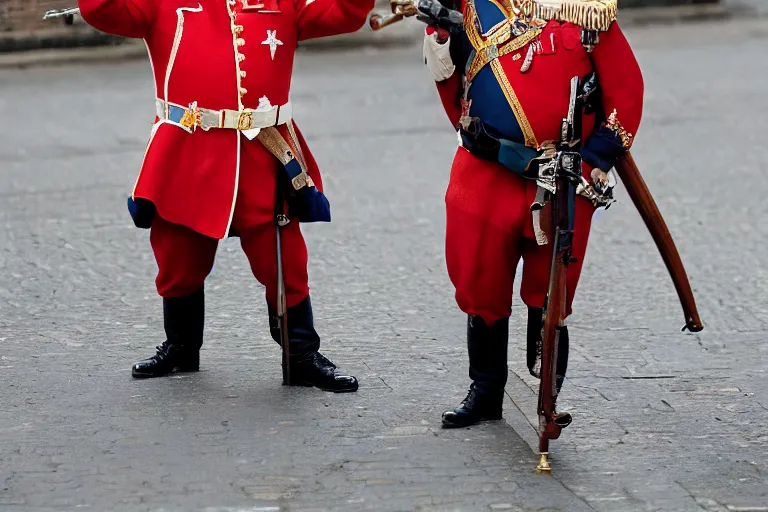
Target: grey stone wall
x,y
663,3
22,26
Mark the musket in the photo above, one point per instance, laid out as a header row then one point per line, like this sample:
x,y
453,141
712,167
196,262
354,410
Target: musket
x,y
68,14
379,21
431,12
561,174
638,191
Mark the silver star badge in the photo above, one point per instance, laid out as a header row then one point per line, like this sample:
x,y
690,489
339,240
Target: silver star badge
x,y
273,42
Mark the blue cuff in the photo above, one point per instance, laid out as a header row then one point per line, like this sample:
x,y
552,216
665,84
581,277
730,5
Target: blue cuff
x,y
307,203
603,149
310,205
142,212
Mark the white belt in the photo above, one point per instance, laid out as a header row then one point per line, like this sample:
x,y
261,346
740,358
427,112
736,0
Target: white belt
x,y
193,116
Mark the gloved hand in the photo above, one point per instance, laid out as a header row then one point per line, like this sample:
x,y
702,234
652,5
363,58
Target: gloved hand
x,y
437,54
598,189
603,182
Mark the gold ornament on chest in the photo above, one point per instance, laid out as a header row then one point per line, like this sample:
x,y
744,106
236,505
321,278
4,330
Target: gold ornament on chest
x,y
523,17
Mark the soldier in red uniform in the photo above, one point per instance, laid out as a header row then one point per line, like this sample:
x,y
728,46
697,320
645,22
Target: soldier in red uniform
x,y
224,154
503,75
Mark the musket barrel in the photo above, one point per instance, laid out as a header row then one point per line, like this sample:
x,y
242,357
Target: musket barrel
x,y
61,13
377,21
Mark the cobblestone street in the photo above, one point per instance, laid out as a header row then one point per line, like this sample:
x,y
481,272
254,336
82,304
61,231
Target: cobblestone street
x,y
663,420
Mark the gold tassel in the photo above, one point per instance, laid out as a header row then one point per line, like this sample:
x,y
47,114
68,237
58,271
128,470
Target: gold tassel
x,y
588,14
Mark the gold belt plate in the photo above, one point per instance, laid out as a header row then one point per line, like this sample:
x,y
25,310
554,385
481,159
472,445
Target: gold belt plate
x,y
245,120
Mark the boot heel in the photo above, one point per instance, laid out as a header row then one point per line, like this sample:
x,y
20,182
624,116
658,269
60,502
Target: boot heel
x,y
190,363
298,383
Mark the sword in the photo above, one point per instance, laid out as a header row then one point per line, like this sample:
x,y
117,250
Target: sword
x,y
281,220
646,206
282,319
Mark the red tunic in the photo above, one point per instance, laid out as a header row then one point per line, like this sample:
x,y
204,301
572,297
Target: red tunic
x,y
222,54
542,93
489,223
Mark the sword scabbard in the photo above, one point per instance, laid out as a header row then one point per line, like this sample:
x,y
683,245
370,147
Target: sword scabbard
x,y
649,211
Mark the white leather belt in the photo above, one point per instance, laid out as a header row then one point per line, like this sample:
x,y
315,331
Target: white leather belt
x,y
192,116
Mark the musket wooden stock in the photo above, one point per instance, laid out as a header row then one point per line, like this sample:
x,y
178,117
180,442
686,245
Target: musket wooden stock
x,y
646,206
555,313
557,216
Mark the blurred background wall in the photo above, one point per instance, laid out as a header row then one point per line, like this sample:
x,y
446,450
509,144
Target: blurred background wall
x,y
22,26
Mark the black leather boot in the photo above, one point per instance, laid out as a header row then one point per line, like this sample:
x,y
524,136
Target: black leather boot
x,y
183,318
487,347
308,367
534,336
533,341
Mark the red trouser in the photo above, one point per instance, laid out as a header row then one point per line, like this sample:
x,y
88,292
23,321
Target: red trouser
x,y
489,228
185,257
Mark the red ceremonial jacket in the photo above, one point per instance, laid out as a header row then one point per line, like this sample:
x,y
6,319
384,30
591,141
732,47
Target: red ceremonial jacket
x,y
221,54
523,93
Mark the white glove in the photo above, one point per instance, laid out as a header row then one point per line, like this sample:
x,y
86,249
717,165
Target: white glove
x,y
437,57
603,182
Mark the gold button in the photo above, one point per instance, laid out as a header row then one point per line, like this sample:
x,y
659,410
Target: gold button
x,y
242,74
243,91
237,29
240,57
240,41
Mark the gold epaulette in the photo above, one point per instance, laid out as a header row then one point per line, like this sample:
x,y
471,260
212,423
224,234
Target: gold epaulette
x,y
588,14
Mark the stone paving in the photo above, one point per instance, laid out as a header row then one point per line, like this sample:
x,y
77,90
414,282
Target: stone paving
x,y
664,420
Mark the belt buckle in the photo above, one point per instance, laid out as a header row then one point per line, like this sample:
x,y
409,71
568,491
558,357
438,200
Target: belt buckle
x,y
191,118
245,120
491,52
